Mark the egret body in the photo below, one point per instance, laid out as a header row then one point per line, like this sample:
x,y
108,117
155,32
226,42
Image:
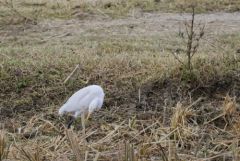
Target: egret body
x,y
83,102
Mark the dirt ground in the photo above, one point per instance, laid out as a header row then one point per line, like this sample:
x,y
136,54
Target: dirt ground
x,y
145,24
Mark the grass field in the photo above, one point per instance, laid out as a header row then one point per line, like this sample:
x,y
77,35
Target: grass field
x,y
18,11
155,109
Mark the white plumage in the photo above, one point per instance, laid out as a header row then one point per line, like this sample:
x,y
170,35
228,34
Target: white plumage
x,y
84,101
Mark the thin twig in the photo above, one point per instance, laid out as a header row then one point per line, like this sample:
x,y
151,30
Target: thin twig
x,y
214,119
145,130
157,142
177,58
103,13
195,102
71,74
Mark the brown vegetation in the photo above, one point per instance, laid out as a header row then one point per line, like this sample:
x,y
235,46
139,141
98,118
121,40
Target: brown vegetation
x,y
154,108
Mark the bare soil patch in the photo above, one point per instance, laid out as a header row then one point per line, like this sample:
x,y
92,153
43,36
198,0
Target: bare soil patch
x,y
144,24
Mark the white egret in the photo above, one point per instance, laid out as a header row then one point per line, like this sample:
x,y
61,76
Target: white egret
x,y
83,102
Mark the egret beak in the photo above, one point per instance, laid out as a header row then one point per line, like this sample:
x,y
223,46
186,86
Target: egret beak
x,y
88,116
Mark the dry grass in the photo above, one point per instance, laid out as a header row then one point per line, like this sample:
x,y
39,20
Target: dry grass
x,y
107,140
33,84
153,110
4,147
32,11
229,106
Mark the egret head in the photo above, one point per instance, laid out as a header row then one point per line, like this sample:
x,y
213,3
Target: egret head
x,y
61,112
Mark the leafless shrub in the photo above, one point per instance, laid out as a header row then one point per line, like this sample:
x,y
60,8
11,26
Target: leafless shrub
x,y
193,39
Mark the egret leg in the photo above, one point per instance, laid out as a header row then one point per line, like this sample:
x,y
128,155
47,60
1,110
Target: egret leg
x,y
70,122
83,122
